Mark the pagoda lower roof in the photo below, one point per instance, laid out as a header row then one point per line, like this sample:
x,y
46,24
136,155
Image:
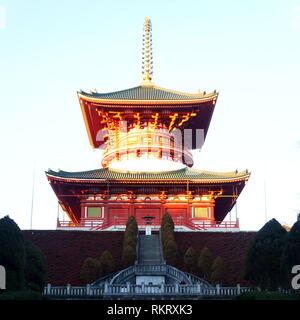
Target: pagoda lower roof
x,y
183,175
148,93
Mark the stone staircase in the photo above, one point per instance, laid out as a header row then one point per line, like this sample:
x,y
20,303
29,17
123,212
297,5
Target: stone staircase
x,y
149,250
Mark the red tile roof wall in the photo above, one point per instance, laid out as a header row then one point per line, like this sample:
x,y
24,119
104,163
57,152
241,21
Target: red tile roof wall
x,y
231,246
65,251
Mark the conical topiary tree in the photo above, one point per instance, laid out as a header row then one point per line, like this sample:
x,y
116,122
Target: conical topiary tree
x,y
35,268
171,252
90,270
205,262
291,254
107,263
167,219
132,225
190,259
218,269
128,256
12,254
263,259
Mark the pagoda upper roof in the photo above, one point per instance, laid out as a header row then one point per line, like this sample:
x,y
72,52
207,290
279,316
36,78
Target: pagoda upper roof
x,y
184,174
148,93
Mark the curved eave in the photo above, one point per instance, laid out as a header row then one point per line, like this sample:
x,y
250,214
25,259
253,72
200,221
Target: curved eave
x,y
127,102
152,181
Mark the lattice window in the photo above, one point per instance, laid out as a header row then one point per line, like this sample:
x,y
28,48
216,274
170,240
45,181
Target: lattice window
x,y
94,212
200,212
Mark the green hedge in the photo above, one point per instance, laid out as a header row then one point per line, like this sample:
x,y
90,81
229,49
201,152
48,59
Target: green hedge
x,y
266,295
21,295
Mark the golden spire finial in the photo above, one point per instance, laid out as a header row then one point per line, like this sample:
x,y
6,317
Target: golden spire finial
x,y
147,68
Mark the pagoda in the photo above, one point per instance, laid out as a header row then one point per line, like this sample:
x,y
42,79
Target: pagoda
x,y
147,134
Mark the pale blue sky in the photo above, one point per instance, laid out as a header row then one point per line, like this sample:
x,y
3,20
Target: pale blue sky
x,y
247,50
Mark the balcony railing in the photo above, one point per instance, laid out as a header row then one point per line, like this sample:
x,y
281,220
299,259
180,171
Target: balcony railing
x,y
102,224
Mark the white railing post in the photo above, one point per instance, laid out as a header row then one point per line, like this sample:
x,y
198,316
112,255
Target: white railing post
x,y
128,287
68,289
105,287
48,288
238,287
218,289
88,289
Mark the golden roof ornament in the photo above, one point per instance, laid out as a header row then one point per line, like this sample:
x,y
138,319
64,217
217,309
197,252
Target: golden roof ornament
x,y
147,67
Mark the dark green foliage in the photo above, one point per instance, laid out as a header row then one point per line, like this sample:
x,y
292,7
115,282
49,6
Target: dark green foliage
x,y
266,295
205,262
132,225
129,256
90,270
264,256
36,267
291,253
218,268
190,259
22,295
130,242
167,219
107,263
12,254
171,252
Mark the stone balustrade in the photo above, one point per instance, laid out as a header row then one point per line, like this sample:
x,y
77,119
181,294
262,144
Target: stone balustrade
x,y
143,289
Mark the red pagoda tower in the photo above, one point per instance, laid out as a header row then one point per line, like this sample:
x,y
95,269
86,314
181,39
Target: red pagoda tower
x,y
147,134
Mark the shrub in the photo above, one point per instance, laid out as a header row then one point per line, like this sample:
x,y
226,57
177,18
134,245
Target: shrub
x,y
129,256
190,259
129,240
291,253
36,267
90,270
265,295
132,224
12,254
171,252
22,295
205,262
263,260
167,219
218,268
107,263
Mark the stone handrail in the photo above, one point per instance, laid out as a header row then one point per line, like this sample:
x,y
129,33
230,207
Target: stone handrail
x,y
160,269
136,290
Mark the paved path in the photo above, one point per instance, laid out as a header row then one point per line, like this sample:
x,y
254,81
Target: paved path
x,y
149,250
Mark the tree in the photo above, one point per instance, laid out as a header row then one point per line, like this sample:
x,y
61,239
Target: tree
x,y
167,219
190,259
12,254
291,253
36,267
107,262
167,235
90,270
264,256
132,225
205,262
171,252
218,268
129,240
128,256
